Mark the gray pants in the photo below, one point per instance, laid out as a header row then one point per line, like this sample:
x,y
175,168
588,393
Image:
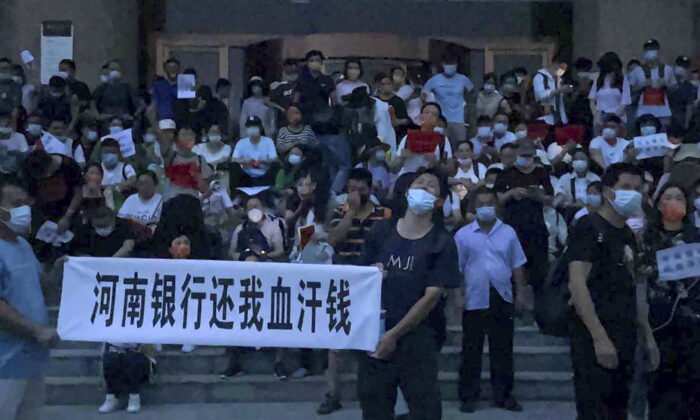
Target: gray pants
x,y
22,399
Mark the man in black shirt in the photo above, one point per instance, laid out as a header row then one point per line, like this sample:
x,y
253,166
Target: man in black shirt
x,y
682,100
105,236
399,115
314,88
75,87
608,307
419,259
522,191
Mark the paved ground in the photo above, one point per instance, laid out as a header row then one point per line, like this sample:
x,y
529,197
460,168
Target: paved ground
x,y
298,411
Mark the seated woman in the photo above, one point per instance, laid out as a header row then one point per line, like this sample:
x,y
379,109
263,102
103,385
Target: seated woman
x,y
255,154
257,218
145,206
295,133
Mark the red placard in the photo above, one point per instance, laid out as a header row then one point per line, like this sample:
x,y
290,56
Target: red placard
x,y
567,133
421,142
305,234
654,96
537,130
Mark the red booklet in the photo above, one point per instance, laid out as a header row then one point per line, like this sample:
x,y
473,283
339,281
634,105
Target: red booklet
x,y
421,142
567,133
305,234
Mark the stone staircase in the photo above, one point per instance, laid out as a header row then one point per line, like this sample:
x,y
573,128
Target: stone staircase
x,y
542,372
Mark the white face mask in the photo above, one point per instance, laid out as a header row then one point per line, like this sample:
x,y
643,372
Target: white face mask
x,y
679,71
521,134
449,69
489,87
609,133
34,129
648,130
519,79
439,130
500,128
104,78
104,231
294,160
253,131
464,162
62,74
255,215
149,138
115,129
560,72
484,131
627,202
420,201
214,138
380,155
114,75
256,90
20,219
92,135
651,55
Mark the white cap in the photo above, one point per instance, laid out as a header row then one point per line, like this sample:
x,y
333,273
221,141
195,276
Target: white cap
x,y
166,124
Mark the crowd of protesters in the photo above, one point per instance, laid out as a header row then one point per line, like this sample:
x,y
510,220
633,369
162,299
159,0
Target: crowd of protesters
x,y
466,213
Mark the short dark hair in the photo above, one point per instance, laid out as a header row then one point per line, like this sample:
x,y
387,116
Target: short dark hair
x,y
36,164
484,191
483,118
110,142
13,181
633,62
443,119
314,53
439,174
509,146
222,83
95,165
520,70
489,76
379,76
351,61
614,171
191,71
648,118
469,142
435,104
583,64
171,60
103,212
289,62
496,171
361,174
613,118
151,174
67,61
597,185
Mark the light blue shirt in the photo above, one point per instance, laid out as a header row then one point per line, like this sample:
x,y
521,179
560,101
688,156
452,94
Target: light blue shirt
x,y
449,93
488,259
20,288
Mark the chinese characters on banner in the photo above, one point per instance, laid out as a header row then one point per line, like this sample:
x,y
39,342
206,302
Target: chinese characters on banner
x,y
654,145
220,303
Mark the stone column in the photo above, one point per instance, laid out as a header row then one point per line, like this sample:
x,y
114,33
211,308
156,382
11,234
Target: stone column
x,y
623,26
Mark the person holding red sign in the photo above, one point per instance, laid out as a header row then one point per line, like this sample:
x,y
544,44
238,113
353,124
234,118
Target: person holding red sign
x,y
652,79
423,148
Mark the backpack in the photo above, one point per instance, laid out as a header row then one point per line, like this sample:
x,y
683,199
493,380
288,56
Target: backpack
x,y
251,238
553,311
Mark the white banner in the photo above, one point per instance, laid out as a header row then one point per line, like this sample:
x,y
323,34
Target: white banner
x,y
223,303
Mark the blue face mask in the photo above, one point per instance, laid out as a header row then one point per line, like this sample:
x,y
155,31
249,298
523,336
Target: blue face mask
x,y
627,202
486,214
525,161
420,201
294,160
115,129
92,135
594,200
34,129
149,138
110,160
648,130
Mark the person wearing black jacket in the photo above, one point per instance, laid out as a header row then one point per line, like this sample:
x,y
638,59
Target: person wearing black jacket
x,y
674,311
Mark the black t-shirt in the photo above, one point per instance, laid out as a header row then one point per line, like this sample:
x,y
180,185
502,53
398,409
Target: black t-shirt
x,y
610,282
54,108
412,266
87,242
680,97
79,89
315,92
524,215
114,98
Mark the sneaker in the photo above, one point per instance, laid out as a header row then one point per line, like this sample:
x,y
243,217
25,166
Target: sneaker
x,y
279,371
134,405
330,404
300,373
111,404
467,407
509,404
231,372
188,348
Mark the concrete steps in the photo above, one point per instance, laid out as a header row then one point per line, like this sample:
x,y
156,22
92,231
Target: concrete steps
x,y
542,369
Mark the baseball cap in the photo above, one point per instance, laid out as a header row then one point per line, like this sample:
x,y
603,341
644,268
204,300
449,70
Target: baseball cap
x,y
253,120
167,124
652,44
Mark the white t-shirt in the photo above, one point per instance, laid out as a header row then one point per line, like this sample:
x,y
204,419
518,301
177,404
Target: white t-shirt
x,y
580,185
470,175
119,174
416,162
611,99
405,91
145,212
55,146
508,137
449,93
637,78
611,154
17,142
212,158
263,150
